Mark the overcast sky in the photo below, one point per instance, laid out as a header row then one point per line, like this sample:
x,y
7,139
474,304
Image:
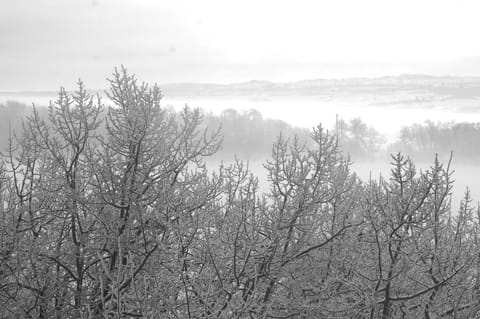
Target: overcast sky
x,y
48,43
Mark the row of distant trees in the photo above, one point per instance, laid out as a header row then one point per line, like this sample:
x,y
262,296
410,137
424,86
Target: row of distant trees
x,y
110,212
422,140
249,135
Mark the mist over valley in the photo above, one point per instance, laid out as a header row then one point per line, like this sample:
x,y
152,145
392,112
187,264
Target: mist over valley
x,y
381,106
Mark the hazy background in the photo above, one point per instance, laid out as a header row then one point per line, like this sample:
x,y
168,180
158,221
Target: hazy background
x,y
391,64
49,43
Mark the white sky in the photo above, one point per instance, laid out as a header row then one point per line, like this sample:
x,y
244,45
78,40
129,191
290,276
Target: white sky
x,y
48,43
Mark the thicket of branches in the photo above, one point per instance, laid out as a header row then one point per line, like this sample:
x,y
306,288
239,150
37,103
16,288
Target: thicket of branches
x,y
126,222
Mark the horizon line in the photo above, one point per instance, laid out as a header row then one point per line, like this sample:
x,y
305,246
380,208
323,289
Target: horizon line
x,y
402,75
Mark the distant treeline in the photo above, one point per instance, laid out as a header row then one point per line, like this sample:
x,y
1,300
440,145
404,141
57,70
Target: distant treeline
x,y
11,115
423,140
247,134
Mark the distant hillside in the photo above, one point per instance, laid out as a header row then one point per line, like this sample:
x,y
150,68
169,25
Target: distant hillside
x,y
457,87
446,86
